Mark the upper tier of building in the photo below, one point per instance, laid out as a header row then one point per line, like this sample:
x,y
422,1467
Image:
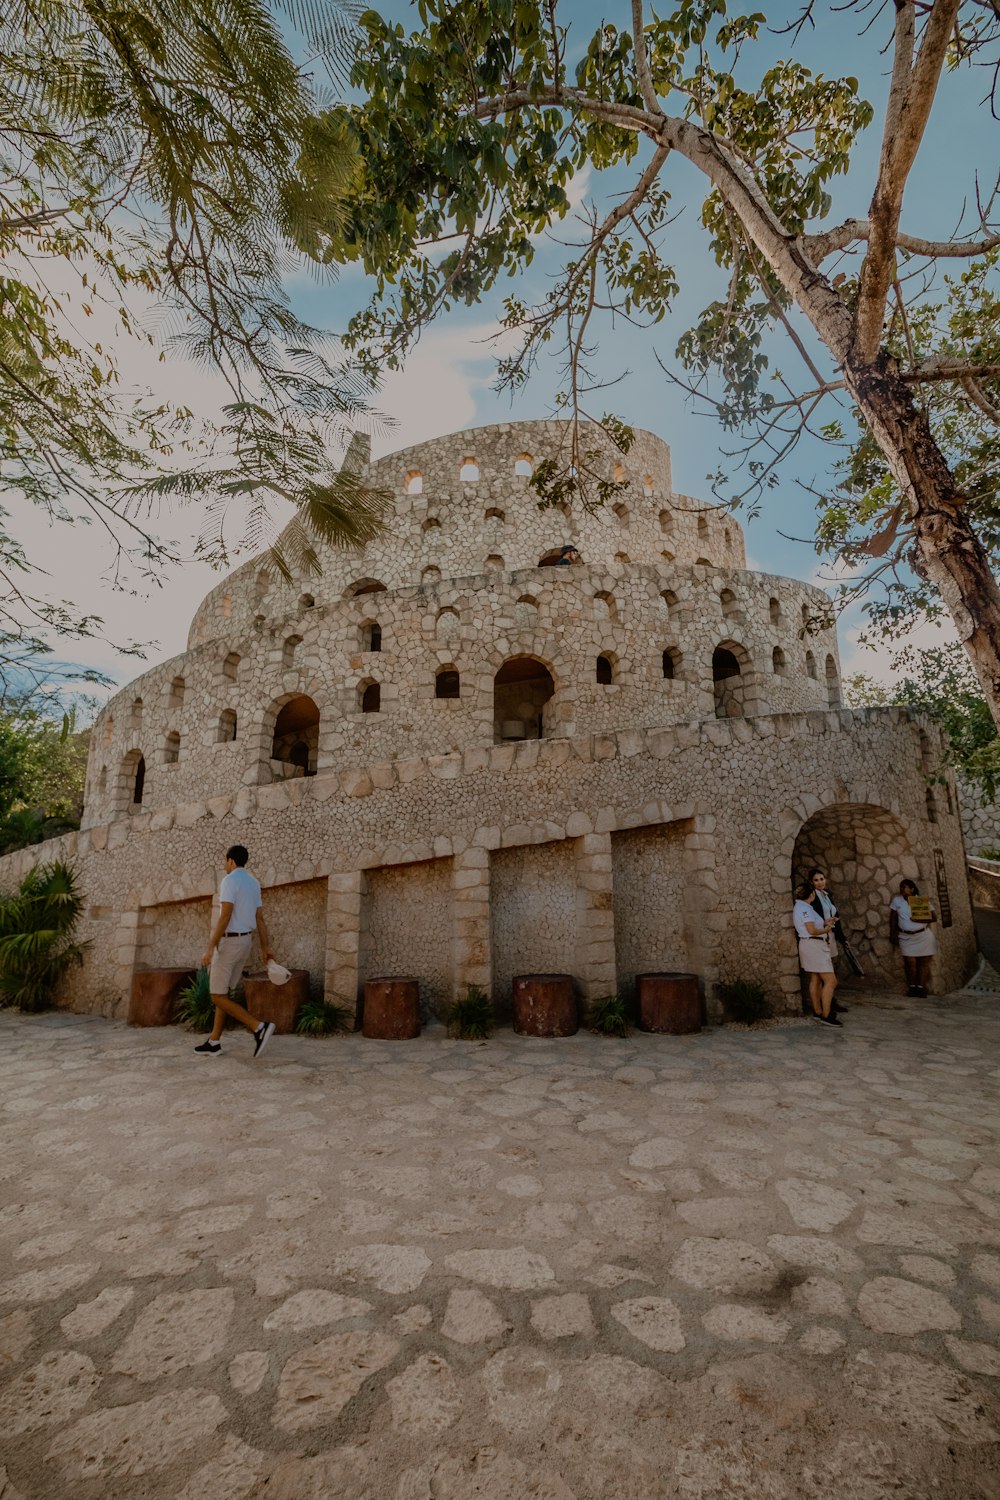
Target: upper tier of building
x,y
452,631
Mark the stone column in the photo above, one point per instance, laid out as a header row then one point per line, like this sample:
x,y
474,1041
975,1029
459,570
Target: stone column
x,y
345,892
595,917
704,920
134,927
470,883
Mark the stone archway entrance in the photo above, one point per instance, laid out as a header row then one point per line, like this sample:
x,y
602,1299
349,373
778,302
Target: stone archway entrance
x,y
865,852
521,690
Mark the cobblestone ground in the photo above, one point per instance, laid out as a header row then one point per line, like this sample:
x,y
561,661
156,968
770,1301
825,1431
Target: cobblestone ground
x,y
738,1264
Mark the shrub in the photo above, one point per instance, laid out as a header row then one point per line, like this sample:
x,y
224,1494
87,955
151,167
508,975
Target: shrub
x,y
990,851
608,1016
319,1017
745,1001
194,1004
473,1018
36,936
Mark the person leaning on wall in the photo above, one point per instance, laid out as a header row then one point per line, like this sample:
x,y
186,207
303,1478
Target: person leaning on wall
x,y
815,958
821,901
914,939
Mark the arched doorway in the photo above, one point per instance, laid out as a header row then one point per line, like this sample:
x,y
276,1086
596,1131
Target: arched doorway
x,y
295,744
522,690
866,852
730,682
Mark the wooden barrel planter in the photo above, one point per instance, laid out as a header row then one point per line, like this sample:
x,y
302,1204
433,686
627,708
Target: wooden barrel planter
x,y
669,1003
153,1001
545,1005
279,1003
391,1009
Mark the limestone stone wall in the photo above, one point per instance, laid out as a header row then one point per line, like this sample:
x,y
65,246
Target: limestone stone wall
x,y
406,929
535,917
980,821
652,917
744,788
444,592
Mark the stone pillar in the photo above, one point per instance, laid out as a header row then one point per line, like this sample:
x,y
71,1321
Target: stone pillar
x,y
345,892
126,954
704,920
595,917
470,883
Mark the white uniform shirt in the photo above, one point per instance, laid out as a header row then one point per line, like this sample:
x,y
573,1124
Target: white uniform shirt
x,y
802,913
901,907
240,887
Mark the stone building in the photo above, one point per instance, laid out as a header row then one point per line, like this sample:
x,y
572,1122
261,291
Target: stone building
x,y
450,758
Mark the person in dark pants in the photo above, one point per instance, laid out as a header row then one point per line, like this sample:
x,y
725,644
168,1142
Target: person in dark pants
x,y
241,914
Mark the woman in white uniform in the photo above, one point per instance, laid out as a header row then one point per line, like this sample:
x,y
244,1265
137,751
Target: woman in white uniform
x,y
815,956
916,941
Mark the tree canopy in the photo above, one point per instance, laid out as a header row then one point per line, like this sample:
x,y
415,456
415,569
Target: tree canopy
x,y
473,127
166,163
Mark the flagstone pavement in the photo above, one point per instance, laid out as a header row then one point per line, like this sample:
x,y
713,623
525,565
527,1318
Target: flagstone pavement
x,y
740,1264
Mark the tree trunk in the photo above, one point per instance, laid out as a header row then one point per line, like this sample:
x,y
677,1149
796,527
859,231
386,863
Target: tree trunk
x,y
949,553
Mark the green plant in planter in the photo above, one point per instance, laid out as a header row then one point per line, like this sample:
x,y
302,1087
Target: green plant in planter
x,y
37,922
473,1018
745,1001
608,1016
194,1003
319,1017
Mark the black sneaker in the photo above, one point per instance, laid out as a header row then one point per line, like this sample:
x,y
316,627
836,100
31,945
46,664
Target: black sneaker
x,y
263,1034
208,1048
815,1016
843,1010
829,1021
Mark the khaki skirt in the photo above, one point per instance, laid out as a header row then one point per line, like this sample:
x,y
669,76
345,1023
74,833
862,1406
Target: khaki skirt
x,y
816,955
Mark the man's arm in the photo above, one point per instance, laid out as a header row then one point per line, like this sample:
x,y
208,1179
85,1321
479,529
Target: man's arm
x,y
265,942
225,912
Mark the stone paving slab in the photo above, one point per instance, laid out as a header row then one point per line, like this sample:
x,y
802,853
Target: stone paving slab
x,y
742,1264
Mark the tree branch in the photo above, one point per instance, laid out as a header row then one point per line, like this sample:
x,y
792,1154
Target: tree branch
x,y
643,74
911,94
819,246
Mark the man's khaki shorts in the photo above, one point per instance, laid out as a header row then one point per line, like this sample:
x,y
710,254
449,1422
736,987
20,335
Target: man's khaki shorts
x,y
228,963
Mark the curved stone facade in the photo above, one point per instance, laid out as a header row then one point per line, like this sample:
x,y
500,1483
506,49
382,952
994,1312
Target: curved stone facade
x,y
206,721
506,766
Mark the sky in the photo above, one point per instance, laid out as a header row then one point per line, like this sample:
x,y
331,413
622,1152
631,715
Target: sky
x,y
448,381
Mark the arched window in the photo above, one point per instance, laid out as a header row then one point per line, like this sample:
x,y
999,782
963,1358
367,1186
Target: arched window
x,y
810,664
172,748
605,607
667,557
932,812
371,636
431,524
702,562
132,783
139,781
727,600
263,581
832,682
362,586
621,511
430,575
494,563
102,780
469,471
296,724
231,666
703,526
618,474
496,515
226,606
521,690
671,662
175,693
526,612
727,537
369,697
448,621
778,661
806,617
288,650
647,484
605,670
447,683
550,559
666,522
774,611
413,482
307,601
227,726
727,680
524,466
670,600
622,557
136,715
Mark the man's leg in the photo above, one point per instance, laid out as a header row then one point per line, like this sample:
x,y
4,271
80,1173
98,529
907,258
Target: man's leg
x,y
224,1006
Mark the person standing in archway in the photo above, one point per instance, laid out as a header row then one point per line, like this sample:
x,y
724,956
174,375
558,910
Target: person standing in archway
x,y
822,902
913,937
815,957
241,914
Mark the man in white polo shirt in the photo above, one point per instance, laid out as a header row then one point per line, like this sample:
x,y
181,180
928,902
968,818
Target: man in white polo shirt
x,y
241,914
